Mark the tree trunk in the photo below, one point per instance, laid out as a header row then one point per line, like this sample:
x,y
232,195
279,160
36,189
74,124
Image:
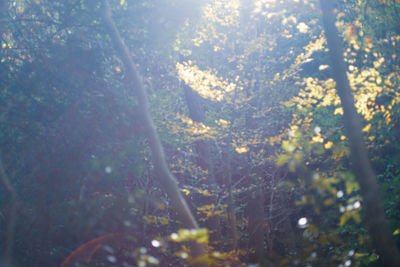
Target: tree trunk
x,y
256,224
375,218
11,215
231,203
203,158
162,172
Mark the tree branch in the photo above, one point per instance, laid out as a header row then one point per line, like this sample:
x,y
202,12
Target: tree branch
x,y
162,171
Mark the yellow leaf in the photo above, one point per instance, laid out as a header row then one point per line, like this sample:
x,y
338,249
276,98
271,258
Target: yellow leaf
x,y
367,128
222,122
323,67
241,150
302,27
204,192
187,192
206,207
150,218
163,220
396,232
338,111
328,145
317,139
122,2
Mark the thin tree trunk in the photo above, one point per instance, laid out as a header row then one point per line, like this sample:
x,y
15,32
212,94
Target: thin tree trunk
x,y
256,224
204,160
231,204
162,172
375,218
12,216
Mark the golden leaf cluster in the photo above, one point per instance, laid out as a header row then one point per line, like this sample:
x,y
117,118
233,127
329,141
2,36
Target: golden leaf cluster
x,y
205,83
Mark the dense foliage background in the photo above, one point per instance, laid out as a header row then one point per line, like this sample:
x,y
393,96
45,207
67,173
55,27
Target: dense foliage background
x,y
244,101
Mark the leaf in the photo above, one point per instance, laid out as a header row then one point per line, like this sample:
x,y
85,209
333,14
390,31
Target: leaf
x,y
20,4
186,191
122,2
338,111
302,27
282,159
344,218
163,220
351,186
241,150
197,235
204,192
328,145
356,217
351,32
367,128
323,67
328,202
298,156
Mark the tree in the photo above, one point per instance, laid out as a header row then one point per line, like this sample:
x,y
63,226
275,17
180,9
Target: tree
x,y
161,168
370,191
243,100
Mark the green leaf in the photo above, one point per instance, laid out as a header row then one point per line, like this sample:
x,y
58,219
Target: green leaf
x,y
282,159
344,218
197,235
351,186
328,202
356,217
